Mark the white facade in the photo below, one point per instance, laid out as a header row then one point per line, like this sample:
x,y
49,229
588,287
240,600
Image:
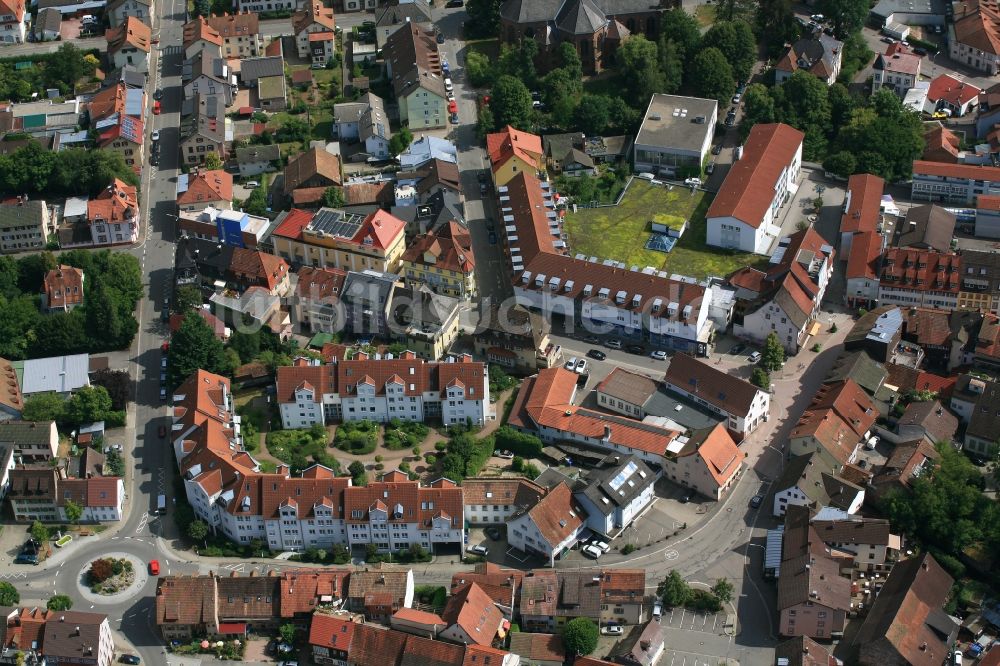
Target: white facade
x,y
972,56
895,295
103,514
391,537
772,318
130,56
607,520
523,534
13,30
258,6
103,233
359,5
741,423
795,497
118,13
304,47
953,183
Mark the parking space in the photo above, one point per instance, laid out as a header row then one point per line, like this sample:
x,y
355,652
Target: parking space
x,y
674,658
680,618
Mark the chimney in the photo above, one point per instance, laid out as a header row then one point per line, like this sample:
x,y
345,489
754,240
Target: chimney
x,y
607,433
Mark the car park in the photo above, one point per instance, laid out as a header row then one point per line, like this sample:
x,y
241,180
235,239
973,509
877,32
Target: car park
x,y
591,552
756,501
571,363
612,630
154,567
597,354
581,366
754,357
482,551
658,355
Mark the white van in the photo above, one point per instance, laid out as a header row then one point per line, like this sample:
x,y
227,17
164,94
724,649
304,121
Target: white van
x,y
657,611
252,185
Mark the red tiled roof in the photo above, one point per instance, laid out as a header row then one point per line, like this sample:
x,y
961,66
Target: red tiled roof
x,y
428,652
419,617
832,433
977,25
721,389
320,283
538,647
449,249
418,504
206,187
748,189
304,589
850,402
557,515
199,29
293,224
245,24
116,203
962,171
949,89
315,12
132,32
908,268
63,286
866,197
866,248
474,611
510,142
942,145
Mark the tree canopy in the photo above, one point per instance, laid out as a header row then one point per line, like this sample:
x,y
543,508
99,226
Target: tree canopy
x,y
847,16
194,347
712,75
736,41
9,596
639,69
510,104
580,636
33,170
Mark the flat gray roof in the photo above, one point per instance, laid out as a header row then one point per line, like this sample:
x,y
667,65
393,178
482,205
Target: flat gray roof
x,y
670,122
60,374
685,412
886,8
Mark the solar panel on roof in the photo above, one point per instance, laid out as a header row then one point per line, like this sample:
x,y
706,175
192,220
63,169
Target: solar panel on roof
x,y
337,222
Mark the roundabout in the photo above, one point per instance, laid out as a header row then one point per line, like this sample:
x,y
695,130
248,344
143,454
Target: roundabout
x,y
133,587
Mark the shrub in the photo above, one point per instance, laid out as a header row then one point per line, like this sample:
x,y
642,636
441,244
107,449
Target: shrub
x,y
523,444
628,549
100,570
441,446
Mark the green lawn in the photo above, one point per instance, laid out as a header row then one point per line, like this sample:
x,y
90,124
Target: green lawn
x,y
488,47
705,15
620,232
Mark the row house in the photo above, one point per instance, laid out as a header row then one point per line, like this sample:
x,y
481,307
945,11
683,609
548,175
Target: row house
x,y
317,304
380,389
512,151
517,339
669,313
129,45
331,238
493,500
205,129
39,636
210,76
203,189
926,278
216,265
116,113
976,401
313,28
119,11
811,481
413,64
240,34
861,240
785,298
980,281
200,37
974,37
443,260
22,442
42,492
549,599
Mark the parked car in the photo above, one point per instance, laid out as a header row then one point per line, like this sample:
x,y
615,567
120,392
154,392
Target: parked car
x,y
453,119
570,364
659,355
155,136
756,501
738,349
481,176
479,550
730,121
156,108
612,630
490,224
717,149
158,93
597,354
736,98
686,498
603,545
591,552
920,51
129,659
614,343
754,357
819,18
494,532
581,366
710,169
635,349
451,4
440,38
26,558
163,393
506,455
154,567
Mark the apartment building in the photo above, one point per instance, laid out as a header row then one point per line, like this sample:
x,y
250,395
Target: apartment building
x,y
744,214
112,216
129,45
861,241
42,636
42,492
380,389
413,64
313,28
493,500
62,289
740,404
331,238
639,305
923,278
675,134
517,338
24,225
317,303
240,34
443,260
549,528
898,69
204,129
199,36
974,37
953,183
512,151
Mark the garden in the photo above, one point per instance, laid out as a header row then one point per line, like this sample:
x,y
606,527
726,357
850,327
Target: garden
x,y
110,575
356,437
401,435
301,448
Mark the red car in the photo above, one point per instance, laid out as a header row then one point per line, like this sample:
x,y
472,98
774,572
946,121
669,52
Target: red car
x,y
452,106
165,347
156,108
154,567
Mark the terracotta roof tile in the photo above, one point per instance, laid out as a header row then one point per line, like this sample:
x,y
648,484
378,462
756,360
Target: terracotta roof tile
x,y
850,402
422,651
206,187
244,24
538,647
63,287
965,171
725,391
474,611
866,198
921,270
449,248
511,142
557,515
332,633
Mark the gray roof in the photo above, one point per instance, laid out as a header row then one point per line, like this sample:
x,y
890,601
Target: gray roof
x,y
252,69
415,11
535,11
205,65
26,433
130,76
612,484
580,17
662,129
859,366
16,215
250,154
48,19
368,287
76,639
412,55
61,374
640,648
929,227
204,109
886,8
421,309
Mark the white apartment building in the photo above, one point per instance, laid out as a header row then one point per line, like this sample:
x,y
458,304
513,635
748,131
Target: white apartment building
x,y
953,183
741,405
381,389
744,214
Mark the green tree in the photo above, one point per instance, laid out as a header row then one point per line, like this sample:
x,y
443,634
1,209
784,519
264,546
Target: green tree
x,y
31,270
479,69
256,203
18,319
711,76
113,461
73,511
736,41
518,61
194,347
59,602
198,531
683,30
484,18
246,345
758,108
733,10
511,104
288,633
580,636
803,102
485,123
333,197
775,22
723,590
212,161
773,356
88,404
561,94
8,594
59,333
39,532
357,470
638,67
760,378
568,59
843,164
44,407
66,67
102,319
400,141
674,590
187,297
847,16
592,114
671,62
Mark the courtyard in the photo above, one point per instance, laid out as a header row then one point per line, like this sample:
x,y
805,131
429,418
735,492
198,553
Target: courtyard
x,y
621,232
